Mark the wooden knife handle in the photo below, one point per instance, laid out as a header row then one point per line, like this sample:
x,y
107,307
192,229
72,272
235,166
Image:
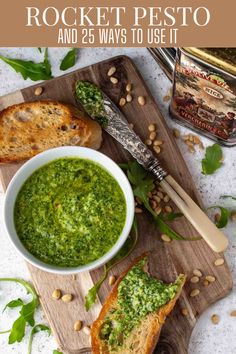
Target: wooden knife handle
x,y
206,228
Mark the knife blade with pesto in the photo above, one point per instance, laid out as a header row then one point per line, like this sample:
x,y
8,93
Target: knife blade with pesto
x,y
101,108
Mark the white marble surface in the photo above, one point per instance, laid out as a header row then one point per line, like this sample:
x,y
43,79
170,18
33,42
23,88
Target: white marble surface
x,y
206,338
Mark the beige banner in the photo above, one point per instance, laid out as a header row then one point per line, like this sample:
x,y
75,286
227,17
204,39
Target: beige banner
x,y
120,23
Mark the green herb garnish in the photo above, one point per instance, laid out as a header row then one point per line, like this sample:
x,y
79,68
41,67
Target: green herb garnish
x,y
37,328
143,183
128,247
55,351
224,216
69,60
90,96
26,312
30,69
14,303
227,196
212,160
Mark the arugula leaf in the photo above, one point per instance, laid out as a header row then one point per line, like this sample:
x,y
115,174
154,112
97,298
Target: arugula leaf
x,y
37,328
143,183
227,196
127,248
56,352
40,50
166,229
224,216
90,298
69,60
30,69
26,313
212,159
29,288
13,303
17,331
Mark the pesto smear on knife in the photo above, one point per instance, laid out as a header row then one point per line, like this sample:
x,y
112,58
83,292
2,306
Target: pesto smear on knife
x,y
139,294
69,212
90,96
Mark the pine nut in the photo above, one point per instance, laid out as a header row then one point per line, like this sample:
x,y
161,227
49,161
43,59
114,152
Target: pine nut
x,y
176,133
138,210
152,127
210,278
111,71
196,140
138,201
233,216
201,146
194,279
122,101
189,143
160,194
152,136
197,272
38,91
86,330
165,238
129,98
190,137
77,326
141,100
67,298
112,280
205,282
56,294
157,149
195,292
157,142
168,209
166,199
131,126
153,204
184,312
114,80
233,313
128,87
215,319
148,142
218,262
74,277
158,210
156,198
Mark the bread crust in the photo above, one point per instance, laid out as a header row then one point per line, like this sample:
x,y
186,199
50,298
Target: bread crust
x,y
154,330
27,129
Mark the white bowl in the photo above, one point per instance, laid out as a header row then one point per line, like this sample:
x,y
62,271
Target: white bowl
x,y
41,159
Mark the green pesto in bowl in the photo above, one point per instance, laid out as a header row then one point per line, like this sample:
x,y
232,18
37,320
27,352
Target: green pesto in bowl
x,y
70,212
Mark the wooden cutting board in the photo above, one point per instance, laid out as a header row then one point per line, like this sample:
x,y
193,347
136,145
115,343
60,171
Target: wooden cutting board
x,y
166,260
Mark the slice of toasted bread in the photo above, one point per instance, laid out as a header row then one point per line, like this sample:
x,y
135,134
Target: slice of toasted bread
x,y
29,128
144,337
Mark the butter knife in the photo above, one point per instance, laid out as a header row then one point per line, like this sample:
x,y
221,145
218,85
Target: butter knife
x,y
117,126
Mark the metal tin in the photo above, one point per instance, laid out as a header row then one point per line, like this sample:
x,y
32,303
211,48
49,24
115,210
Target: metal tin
x,y
204,90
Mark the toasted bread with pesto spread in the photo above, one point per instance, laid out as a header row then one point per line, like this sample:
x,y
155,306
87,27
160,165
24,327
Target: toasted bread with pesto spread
x,y
131,318
27,129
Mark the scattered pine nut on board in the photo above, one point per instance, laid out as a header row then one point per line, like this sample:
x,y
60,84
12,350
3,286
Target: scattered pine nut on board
x,y
167,258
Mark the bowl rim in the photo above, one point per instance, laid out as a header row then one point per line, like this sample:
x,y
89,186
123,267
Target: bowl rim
x,y
42,159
